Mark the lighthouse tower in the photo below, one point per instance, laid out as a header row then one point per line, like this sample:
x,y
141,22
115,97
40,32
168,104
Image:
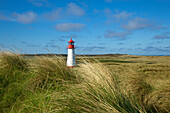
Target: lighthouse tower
x,y
71,61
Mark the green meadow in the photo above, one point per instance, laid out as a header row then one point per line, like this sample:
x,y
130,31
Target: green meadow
x,y
99,84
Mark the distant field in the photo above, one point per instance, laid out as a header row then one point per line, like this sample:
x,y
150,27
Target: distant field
x,y
99,83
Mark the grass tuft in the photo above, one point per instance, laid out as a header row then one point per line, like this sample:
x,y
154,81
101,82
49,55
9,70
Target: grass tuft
x,y
11,62
51,71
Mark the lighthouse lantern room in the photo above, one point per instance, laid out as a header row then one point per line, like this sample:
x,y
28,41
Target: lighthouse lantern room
x,y
71,61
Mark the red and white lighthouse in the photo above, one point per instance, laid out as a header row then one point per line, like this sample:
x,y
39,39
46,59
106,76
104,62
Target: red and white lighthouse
x,y
71,61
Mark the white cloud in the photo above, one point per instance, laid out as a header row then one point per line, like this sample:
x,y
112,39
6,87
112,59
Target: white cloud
x,y
116,16
71,10
25,18
137,23
69,36
56,14
122,15
75,10
115,34
40,3
164,35
67,27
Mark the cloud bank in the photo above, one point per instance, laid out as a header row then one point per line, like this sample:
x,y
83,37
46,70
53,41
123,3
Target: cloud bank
x,y
75,10
164,35
115,34
67,27
25,18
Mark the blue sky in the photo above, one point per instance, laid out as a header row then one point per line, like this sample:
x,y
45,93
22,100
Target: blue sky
x,y
139,27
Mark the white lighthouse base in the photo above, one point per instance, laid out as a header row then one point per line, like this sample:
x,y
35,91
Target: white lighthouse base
x,y
71,61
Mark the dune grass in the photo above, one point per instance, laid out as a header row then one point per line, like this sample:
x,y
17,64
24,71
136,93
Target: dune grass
x,y
45,84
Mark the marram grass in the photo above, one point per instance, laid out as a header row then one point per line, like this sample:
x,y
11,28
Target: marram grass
x,y
100,92
45,84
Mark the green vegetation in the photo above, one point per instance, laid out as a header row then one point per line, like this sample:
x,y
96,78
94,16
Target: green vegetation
x,y
127,84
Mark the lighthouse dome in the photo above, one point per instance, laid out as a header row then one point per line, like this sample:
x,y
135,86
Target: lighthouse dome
x,y
71,41
71,44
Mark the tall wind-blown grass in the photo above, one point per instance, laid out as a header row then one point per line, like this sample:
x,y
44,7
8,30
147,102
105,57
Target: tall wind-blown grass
x,y
50,71
13,69
25,84
45,84
100,91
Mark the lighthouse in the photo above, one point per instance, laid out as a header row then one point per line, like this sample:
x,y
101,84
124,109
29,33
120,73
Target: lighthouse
x,y
71,61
